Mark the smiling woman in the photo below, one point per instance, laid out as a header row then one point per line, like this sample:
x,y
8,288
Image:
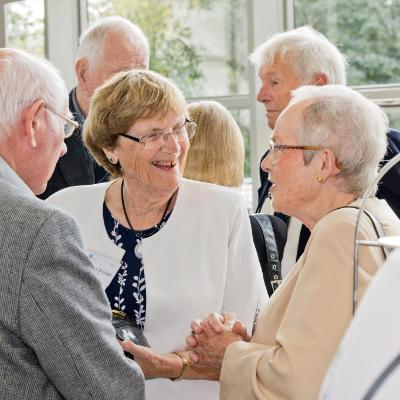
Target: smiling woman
x,y
173,248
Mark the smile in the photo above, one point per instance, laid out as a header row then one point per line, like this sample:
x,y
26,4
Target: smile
x,y
165,165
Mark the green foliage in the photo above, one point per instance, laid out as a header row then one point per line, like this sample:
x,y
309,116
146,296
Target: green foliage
x,y
24,28
367,30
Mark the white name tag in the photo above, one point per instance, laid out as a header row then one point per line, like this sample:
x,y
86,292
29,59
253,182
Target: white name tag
x,y
105,267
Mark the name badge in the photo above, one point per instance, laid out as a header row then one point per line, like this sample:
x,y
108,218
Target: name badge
x,y
105,268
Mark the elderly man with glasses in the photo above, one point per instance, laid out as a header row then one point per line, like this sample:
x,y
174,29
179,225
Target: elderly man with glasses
x,y
56,337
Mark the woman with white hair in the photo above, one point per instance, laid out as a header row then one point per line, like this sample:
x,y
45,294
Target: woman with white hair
x,y
325,152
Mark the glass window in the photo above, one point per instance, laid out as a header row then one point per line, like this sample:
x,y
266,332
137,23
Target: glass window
x,y
201,44
367,31
24,21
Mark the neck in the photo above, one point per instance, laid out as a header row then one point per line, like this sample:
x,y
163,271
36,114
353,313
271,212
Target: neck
x,y
145,209
82,100
323,206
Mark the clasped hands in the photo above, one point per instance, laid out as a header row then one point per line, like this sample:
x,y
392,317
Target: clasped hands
x,y
211,336
206,348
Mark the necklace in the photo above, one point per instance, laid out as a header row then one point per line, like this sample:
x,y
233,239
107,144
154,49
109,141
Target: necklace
x,y
139,233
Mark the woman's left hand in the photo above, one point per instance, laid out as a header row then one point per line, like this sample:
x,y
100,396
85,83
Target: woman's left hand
x,y
152,364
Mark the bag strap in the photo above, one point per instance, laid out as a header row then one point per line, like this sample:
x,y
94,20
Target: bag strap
x,y
377,227
274,265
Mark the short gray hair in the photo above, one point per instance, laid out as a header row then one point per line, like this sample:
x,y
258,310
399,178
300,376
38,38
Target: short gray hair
x,y
308,51
353,127
92,39
23,80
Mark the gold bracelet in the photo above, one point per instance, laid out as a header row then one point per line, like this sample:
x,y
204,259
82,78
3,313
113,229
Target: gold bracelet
x,y
185,365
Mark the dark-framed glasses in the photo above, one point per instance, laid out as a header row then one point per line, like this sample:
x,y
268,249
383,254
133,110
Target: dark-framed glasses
x,y
184,131
69,124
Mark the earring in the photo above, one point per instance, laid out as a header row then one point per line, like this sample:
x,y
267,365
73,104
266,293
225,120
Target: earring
x,y
111,160
320,179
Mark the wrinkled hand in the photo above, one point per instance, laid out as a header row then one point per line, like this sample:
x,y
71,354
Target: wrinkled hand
x,y
211,336
219,323
153,365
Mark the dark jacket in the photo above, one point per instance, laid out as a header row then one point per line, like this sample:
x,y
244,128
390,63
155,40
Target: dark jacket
x,y
77,166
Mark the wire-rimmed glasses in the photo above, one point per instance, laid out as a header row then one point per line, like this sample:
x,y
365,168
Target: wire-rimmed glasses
x,y
185,131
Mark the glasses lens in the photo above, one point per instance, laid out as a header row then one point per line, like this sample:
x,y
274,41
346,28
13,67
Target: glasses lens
x,y
68,129
190,129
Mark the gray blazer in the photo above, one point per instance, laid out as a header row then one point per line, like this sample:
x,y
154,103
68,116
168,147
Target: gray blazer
x,y
56,338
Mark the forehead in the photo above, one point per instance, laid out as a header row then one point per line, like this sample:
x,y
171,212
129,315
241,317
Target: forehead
x,y
288,124
120,54
144,125
281,66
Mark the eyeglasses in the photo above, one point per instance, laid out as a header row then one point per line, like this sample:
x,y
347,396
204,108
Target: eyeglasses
x,y
185,131
69,125
275,147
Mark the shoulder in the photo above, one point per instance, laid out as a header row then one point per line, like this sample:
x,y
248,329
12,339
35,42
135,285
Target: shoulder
x,y
209,190
393,142
74,194
28,214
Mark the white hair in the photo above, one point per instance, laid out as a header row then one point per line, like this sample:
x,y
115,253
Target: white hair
x,y
92,39
23,80
308,51
353,127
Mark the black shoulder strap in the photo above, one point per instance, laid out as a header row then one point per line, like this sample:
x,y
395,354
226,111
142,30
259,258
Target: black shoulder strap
x,y
273,263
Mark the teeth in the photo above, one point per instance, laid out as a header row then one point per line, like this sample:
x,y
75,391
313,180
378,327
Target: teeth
x,y
164,163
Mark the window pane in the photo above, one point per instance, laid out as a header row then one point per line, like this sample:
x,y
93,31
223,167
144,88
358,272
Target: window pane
x,y
25,26
201,44
367,30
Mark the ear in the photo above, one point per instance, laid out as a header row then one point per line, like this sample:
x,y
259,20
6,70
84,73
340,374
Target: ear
x,y
329,166
81,71
112,155
32,119
319,79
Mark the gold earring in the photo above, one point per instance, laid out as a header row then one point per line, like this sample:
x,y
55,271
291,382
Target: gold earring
x,y
320,179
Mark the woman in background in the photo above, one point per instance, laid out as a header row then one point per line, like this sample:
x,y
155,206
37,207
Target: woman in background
x,y
216,153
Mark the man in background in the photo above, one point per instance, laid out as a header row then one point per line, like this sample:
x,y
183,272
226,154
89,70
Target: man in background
x,y
56,336
285,62
111,45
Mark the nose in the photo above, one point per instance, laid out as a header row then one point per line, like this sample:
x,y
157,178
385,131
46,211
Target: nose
x,y
263,94
266,163
170,141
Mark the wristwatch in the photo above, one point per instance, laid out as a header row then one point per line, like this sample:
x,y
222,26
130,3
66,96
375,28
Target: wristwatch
x,y
185,365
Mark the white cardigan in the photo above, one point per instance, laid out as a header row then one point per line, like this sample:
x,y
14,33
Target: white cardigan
x,y
202,260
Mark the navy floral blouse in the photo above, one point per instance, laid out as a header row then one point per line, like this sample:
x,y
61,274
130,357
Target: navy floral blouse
x,y
127,290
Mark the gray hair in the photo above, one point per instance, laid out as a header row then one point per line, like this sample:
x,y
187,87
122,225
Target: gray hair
x,y
308,51
23,80
353,127
92,39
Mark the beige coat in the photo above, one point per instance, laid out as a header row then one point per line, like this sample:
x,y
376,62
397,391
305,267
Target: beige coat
x,y
299,330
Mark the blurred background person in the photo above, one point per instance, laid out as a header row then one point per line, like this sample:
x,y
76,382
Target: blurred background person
x,y
181,247
325,153
56,337
216,153
108,46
